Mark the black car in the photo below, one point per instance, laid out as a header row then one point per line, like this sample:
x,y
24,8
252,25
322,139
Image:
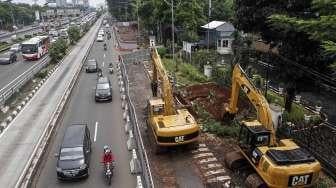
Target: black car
x,y
103,90
8,57
73,159
91,66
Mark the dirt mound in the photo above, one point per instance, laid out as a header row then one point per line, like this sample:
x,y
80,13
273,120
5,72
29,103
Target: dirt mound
x,y
210,96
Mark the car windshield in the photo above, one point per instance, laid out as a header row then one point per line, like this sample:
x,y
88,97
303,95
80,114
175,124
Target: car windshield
x,y
91,63
71,153
29,48
103,86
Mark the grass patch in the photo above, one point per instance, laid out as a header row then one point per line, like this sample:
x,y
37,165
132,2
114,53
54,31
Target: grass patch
x,y
210,125
187,74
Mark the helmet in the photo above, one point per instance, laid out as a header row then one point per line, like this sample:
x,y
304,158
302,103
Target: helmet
x,y
106,147
108,151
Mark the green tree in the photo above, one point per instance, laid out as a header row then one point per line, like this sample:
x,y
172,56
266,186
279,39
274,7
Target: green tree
x,y
58,50
189,15
74,34
320,27
293,44
222,10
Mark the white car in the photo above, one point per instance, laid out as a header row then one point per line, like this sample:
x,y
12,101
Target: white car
x,y
100,38
101,32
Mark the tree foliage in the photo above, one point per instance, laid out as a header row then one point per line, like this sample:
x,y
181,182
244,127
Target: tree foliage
x,y
58,50
74,34
321,27
273,21
155,16
23,14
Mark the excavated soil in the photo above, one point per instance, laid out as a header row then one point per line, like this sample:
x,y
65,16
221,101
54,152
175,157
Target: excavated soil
x,y
212,97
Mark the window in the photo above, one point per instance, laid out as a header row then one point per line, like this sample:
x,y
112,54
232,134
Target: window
x,y
225,44
219,44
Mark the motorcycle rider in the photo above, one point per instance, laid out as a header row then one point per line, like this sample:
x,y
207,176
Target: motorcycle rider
x,y
108,157
105,46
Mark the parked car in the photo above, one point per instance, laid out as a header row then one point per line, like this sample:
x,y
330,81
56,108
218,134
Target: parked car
x,y
73,159
8,57
15,48
103,90
100,38
91,66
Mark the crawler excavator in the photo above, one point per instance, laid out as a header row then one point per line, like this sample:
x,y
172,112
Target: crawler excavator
x,y
169,125
277,163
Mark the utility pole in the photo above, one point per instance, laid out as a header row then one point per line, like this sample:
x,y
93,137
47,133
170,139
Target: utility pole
x,y
138,20
209,14
173,34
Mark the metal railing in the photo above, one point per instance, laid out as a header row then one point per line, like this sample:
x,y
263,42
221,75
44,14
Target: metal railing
x,y
15,85
146,172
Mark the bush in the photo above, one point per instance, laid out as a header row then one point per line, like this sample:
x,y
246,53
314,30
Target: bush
x,y
192,72
42,74
26,36
221,75
216,128
162,52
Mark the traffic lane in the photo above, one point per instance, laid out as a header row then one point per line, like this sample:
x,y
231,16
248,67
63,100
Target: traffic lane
x,y
82,108
11,71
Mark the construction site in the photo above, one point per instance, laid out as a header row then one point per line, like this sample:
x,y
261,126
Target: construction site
x,y
221,156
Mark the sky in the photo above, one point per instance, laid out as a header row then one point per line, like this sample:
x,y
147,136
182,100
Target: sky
x,y
92,2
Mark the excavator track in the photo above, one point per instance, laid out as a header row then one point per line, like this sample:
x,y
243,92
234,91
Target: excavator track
x,y
254,181
235,160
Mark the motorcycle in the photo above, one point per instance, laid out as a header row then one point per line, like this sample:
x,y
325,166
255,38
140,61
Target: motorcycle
x,y
108,172
105,47
110,68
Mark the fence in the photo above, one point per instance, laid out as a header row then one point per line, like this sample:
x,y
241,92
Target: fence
x,y
14,86
134,126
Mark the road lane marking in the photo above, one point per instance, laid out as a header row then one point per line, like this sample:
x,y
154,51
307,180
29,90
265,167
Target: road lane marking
x,y
103,64
104,55
96,130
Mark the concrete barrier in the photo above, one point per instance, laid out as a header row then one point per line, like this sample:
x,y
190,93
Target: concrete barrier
x,y
135,163
139,182
131,144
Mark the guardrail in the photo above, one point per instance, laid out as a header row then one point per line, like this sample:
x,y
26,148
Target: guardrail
x,y
14,86
146,172
26,177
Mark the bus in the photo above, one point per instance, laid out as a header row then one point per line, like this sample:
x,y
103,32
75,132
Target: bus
x,y
35,48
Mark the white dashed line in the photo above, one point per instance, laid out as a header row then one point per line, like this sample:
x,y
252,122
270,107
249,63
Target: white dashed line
x,y
96,130
103,64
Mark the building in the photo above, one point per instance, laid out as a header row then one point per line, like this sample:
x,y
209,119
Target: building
x,y
61,3
220,36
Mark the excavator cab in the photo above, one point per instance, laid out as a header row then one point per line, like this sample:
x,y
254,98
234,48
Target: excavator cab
x,y
156,106
251,136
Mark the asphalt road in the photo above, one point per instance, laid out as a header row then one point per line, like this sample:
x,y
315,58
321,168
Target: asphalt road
x,y
11,71
110,130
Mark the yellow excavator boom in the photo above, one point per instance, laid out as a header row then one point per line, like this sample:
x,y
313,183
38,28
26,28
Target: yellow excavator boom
x,y
159,73
240,80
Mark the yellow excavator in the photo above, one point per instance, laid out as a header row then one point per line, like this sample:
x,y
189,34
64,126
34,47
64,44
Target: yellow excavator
x,y
169,125
277,163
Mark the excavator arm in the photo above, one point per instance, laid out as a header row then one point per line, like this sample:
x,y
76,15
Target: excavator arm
x,y
160,74
240,80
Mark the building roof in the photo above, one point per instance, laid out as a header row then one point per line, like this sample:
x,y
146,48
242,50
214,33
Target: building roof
x,y
213,25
